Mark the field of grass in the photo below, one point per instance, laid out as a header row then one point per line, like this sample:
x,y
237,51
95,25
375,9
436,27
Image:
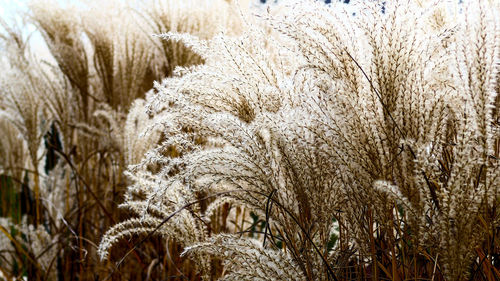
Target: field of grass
x,y
231,140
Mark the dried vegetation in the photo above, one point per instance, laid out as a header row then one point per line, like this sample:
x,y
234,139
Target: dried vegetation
x,y
298,142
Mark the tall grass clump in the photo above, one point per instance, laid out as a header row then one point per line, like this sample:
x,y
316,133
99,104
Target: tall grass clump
x,y
73,120
293,141
322,145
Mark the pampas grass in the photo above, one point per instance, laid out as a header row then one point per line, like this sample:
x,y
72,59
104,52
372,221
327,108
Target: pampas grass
x,y
295,141
72,124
